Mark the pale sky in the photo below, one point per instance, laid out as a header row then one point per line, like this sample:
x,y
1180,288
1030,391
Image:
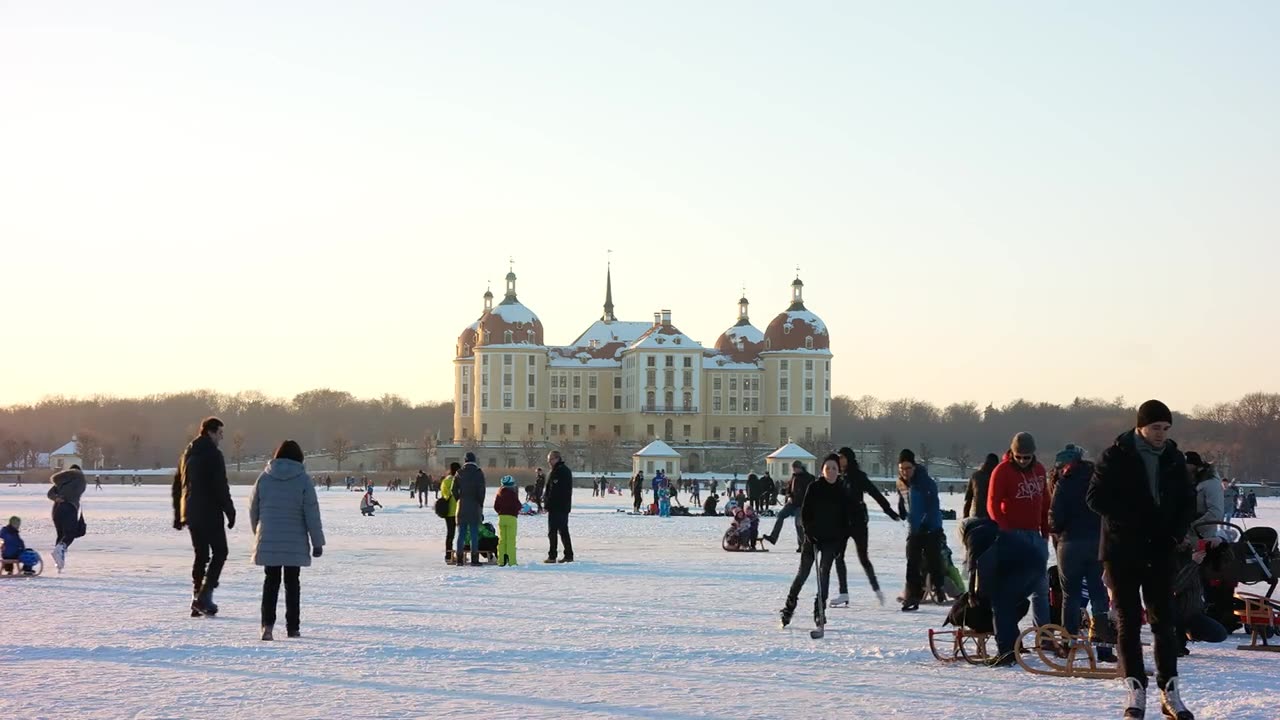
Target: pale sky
x,y
986,200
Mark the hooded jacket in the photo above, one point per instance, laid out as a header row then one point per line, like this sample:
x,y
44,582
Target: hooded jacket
x,y
1070,517
1017,498
1135,528
284,514
924,512
201,493
446,492
468,488
68,486
1210,504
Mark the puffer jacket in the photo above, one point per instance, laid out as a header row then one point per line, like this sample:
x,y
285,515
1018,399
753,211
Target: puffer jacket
x,y
284,514
12,542
468,488
446,492
68,487
1070,519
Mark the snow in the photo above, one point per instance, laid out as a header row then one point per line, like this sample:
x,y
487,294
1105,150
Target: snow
x,y
748,333
654,621
819,327
658,449
723,362
605,333
582,361
791,451
514,312
72,448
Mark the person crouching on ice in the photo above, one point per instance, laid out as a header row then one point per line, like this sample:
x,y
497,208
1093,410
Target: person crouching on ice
x,y
507,504
12,546
367,503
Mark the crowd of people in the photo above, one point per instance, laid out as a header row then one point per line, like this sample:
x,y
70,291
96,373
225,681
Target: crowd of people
x,y
1124,530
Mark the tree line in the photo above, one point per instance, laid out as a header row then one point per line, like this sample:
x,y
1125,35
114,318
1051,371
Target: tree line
x,y
151,431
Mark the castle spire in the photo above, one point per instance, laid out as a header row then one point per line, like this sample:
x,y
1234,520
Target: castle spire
x,y
608,294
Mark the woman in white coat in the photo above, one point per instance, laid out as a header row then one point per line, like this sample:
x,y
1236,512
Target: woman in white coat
x,y
284,513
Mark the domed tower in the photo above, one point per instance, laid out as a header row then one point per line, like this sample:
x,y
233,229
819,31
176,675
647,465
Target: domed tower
x,y
500,380
742,342
797,364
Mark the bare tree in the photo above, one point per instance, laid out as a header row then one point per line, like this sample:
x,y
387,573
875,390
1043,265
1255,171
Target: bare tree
x,y
388,459
9,450
135,449
88,447
962,458
531,450
429,445
340,448
237,448
749,450
888,456
926,454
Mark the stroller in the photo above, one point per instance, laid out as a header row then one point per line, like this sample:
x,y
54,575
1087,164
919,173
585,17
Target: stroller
x,y
742,535
1247,557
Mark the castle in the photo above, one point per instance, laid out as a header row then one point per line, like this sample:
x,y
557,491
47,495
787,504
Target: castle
x,y
639,381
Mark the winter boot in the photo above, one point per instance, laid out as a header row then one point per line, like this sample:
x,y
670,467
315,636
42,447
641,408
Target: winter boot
x,y
294,633
1136,704
266,633
475,559
910,605
205,600
567,558
841,600
197,610
551,560
448,557
1001,660
1171,705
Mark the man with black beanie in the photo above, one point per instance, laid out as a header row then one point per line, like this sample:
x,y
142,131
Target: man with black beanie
x,y
1141,489
799,484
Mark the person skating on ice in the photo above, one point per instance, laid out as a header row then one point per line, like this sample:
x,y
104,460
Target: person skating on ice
x,y
68,488
825,519
856,485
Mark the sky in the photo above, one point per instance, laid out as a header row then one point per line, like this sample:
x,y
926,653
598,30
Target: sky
x,y
986,200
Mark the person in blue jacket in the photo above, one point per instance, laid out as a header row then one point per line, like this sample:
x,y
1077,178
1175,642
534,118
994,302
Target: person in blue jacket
x,y
14,546
924,534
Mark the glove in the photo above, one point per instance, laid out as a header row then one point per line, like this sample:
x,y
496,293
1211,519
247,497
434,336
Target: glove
x,y
317,551
231,521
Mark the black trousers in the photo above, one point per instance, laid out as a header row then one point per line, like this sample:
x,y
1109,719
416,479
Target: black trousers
x,y
859,534
450,527
292,596
635,502
924,550
1155,581
66,522
828,551
558,528
210,544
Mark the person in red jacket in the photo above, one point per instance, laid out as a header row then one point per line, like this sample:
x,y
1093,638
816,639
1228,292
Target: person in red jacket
x,y
507,504
1018,503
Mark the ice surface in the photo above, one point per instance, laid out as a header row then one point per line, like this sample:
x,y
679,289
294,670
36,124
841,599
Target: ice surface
x,y
653,621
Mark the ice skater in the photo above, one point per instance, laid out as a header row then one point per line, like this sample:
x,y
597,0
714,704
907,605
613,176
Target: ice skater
x,y
68,488
825,519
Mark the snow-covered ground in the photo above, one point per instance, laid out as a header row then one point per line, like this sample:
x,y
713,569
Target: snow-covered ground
x,y
654,620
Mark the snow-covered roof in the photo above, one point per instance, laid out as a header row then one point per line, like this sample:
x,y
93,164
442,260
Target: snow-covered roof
x,y
665,337
791,451
745,331
604,333
71,448
657,449
813,321
515,312
582,360
723,362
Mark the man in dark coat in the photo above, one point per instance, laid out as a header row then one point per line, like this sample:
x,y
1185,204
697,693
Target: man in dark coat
x,y
1141,489
559,502
975,496
468,489
201,498
637,490
1077,530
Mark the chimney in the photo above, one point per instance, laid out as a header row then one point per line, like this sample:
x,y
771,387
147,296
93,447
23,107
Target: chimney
x,y
666,317
657,319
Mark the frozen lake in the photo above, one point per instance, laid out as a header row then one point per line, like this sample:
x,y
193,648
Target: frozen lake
x,y
654,620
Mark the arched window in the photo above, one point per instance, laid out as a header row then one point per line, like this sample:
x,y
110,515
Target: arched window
x,y
786,329
508,337
808,343
531,340
649,398
688,401
670,399
768,344
670,429
486,337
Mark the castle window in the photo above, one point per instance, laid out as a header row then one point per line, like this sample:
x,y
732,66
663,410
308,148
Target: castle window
x,y
508,337
808,343
486,337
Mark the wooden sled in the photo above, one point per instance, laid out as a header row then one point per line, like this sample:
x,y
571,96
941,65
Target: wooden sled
x,y
1037,654
960,644
1262,616
13,568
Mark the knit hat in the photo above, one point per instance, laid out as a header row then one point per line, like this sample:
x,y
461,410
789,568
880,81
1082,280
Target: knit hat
x,y
907,456
15,521
1153,411
1193,459
508,481
1023,444
469,457
1069,454
797,465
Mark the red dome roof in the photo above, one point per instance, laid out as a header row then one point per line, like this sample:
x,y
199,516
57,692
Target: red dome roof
x,y
742,342
467,340
796,330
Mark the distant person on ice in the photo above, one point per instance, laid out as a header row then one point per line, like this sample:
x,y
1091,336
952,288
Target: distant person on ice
x,y
284,514
451,515
637,490
1145,496
468,488
559,503
367,503
68,487
201,498
508,506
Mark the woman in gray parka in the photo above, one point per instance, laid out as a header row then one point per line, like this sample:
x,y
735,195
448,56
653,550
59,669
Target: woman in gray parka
x,y
284,514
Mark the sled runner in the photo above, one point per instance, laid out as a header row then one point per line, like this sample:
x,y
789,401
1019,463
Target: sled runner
x,y
1261,616
961,644
733,542
1051,650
